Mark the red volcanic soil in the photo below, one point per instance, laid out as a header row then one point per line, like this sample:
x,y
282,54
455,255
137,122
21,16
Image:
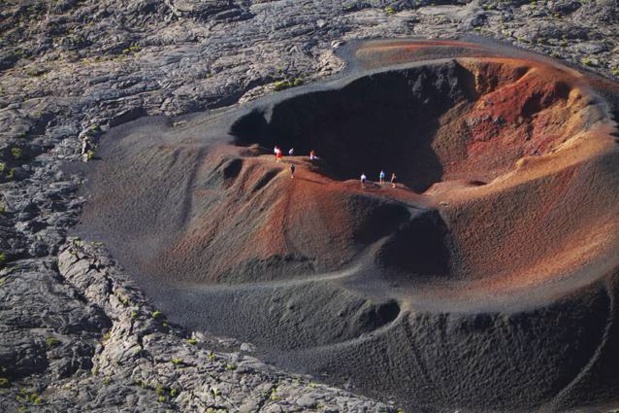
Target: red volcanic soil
x,y
503,227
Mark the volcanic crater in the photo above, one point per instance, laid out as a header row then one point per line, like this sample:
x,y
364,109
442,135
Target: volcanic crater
x,y
484,281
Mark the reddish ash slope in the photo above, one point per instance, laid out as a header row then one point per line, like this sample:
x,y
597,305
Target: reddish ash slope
x,y
548,215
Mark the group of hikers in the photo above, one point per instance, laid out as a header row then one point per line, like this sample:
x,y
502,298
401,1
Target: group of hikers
x,y
279,156
381,179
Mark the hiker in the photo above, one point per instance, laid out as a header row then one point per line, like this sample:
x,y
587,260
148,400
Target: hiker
x,y
277,151
312,155
292,168
363,179
278,154
393,179
381,177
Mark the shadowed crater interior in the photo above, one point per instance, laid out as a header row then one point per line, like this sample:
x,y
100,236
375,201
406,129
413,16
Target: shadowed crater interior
x,y
427,123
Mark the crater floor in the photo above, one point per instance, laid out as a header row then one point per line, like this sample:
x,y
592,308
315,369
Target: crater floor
x,y
485,280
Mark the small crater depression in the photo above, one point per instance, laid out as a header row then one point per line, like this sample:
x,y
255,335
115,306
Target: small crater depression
x,y
231,170
420,248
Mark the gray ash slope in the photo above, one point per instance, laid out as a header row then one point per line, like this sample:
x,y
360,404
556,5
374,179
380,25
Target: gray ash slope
x,y
75,334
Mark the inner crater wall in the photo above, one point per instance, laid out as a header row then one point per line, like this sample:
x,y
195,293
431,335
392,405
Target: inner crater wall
x,y
453,120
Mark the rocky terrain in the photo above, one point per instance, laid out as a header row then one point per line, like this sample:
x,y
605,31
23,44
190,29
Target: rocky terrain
x,y
76,333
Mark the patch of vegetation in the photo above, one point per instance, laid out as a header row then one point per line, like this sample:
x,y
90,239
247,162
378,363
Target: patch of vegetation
x,y
230,367
4,383
211,356
273,396
159,390
51,342
615,71
17,152
177,362
192,341
587,61
142,384
134,48
389,10
10,174
2,259
107,380
134,314
156,315
31,397
286,84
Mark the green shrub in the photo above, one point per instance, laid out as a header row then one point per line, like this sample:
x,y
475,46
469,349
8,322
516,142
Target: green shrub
x,y
4,383
51,341
586,61
16,152
286,84
192,341
31,397
161,390
156,314
389,10
134,48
